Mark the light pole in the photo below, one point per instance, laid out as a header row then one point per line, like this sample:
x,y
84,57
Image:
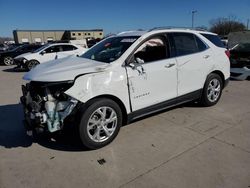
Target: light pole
x,y
247,23
193,12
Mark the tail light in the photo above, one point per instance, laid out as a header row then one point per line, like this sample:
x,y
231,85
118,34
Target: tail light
x,y
227,53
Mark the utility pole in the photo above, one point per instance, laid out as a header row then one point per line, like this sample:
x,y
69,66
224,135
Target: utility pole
x,y
247,23
193,12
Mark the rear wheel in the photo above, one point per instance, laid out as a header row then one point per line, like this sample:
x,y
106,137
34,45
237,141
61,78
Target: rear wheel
x,y
212,90
8,60
32,64
100,123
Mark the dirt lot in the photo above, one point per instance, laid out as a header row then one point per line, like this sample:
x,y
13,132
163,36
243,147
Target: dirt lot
x,y
187,147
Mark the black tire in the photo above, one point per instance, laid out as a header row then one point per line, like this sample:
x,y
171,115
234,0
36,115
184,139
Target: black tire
x,y
89,112
8,60
206,99
32,64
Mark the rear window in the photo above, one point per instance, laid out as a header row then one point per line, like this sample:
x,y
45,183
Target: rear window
x,y
214,39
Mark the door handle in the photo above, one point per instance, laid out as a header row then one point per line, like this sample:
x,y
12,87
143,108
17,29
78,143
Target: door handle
x,y
206,56
169,65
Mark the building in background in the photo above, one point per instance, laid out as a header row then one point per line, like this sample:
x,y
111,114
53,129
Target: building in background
x,y
45,36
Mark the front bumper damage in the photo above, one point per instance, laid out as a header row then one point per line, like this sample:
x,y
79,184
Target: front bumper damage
x,y
45,110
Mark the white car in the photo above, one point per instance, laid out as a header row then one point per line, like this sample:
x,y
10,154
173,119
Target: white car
x,y
122,78
47,53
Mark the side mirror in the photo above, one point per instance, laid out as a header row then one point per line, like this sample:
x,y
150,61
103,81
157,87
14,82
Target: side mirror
x,y
42,53
137,65
136,62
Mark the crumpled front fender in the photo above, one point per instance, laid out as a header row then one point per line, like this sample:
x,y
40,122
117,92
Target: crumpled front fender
x,y
112,83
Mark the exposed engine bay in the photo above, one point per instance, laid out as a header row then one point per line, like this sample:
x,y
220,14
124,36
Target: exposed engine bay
x,y
46,105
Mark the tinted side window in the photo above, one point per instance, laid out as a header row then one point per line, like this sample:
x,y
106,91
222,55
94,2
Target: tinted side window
x,y
68,47
214,39
185,43
200,44
153,49
53,49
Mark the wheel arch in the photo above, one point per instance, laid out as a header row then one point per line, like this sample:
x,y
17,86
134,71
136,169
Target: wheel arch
x,y
33,60
220,74
28,62
116,100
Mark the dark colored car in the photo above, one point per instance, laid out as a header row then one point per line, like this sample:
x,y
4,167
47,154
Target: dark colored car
x,y
92,42
3,47
240,61
7,57
240,55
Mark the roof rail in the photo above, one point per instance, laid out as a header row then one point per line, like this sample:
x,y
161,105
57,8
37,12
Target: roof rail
x,y
173,27
131,31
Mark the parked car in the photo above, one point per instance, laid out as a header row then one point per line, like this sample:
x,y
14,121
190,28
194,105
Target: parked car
x,y
240,61
3,47
47,53
123,78
7,57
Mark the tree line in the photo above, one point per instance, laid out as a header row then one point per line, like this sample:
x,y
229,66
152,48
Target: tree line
x,y
223,26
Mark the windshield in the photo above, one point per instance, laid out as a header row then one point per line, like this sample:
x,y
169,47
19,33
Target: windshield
x,y
41,48
110,49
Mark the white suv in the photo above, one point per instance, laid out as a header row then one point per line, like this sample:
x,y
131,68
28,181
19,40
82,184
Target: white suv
x,y
47,53
122,78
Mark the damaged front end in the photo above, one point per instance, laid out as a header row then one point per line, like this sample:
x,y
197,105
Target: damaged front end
x,y
46,106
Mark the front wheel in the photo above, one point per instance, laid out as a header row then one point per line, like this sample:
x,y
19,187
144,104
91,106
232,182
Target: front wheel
x,y
32,64
212,90
8,60
100,123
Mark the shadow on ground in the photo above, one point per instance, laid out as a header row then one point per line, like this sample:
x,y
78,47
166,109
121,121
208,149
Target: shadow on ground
x,y
13,134
14,69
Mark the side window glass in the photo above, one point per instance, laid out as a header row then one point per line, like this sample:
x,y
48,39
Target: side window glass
x,y
200,44
153,49
68,47
53,49
59,48
184,44
49,50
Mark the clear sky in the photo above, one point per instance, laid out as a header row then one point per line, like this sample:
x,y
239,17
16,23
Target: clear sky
x,y
114,15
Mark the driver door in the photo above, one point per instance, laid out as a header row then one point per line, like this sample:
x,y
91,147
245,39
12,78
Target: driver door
x,y
152,74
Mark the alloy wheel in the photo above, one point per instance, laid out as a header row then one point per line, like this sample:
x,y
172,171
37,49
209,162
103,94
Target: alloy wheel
x,y
102,124
8,61
213,90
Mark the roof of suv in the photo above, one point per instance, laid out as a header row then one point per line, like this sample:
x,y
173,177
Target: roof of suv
x,y
159,30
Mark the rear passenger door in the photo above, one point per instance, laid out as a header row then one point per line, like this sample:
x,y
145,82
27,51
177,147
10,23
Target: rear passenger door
x,y
192,57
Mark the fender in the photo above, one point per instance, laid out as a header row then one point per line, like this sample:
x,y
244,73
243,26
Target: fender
x,y
108,82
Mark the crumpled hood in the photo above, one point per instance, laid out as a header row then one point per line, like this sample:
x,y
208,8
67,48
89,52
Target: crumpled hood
x,y
64,69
